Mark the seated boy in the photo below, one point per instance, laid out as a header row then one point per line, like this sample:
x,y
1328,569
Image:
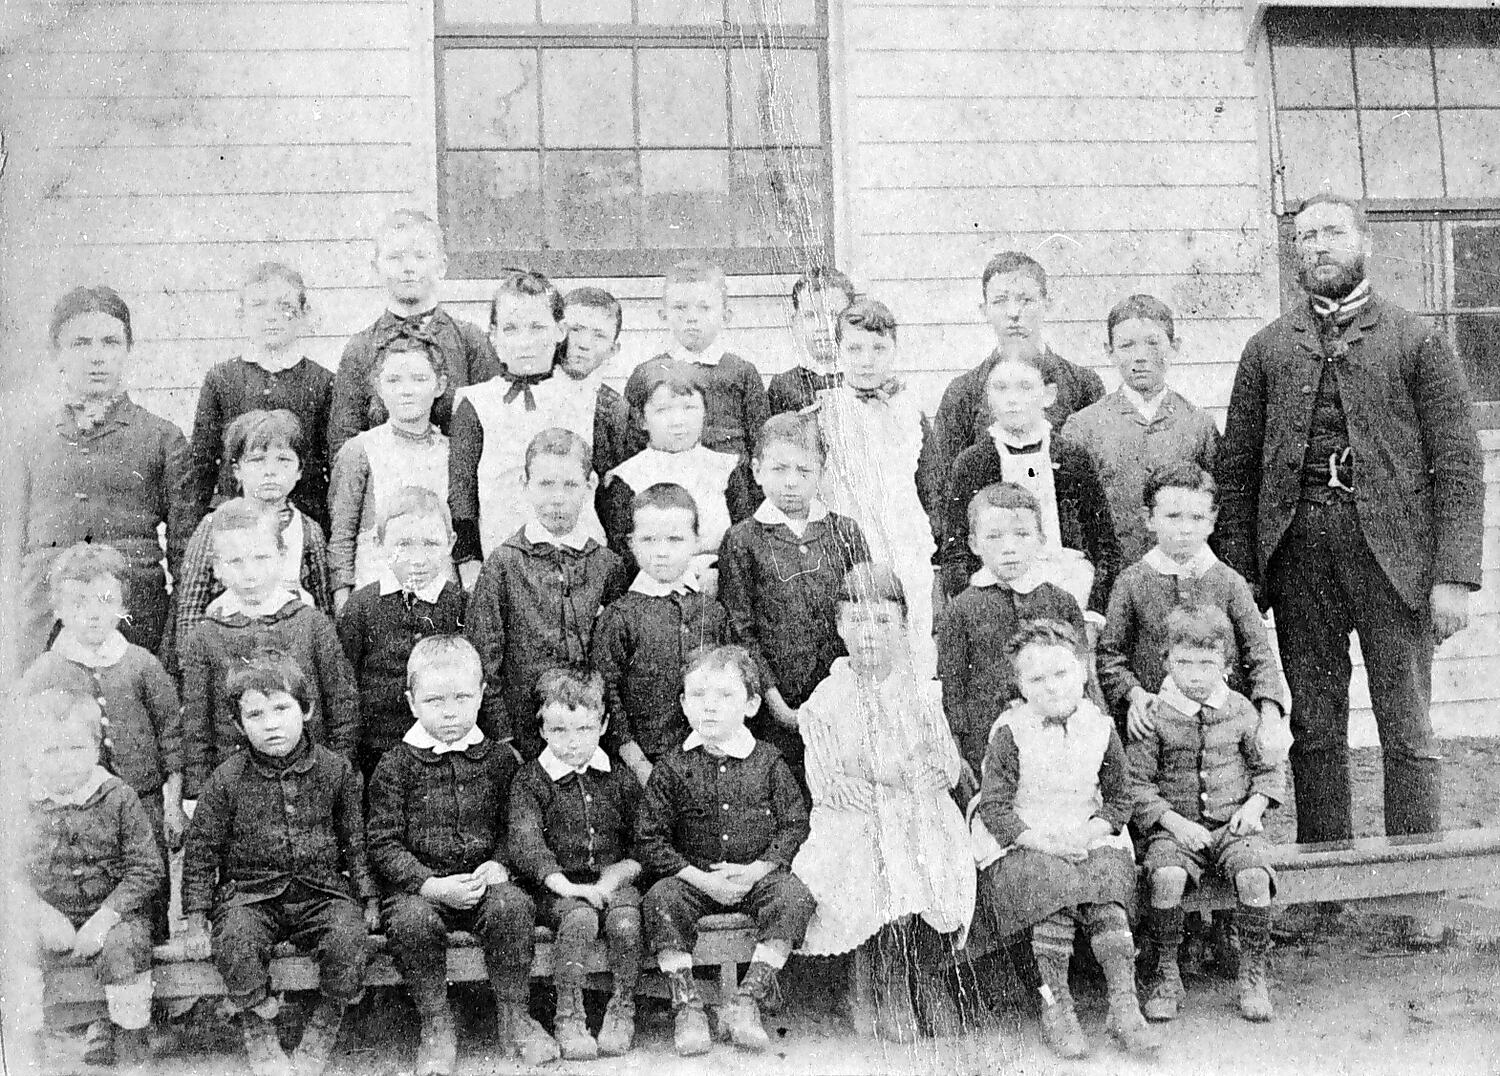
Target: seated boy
x,y
695,308
721,821
437,846
1201,784
572,820
979,682
410,262
257,610
644,639
1181,569
416,597
539,593
276,852
92,870
819,296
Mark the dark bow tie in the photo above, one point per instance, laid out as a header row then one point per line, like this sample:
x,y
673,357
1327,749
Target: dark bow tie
x,y
418,327
1024,450
521,385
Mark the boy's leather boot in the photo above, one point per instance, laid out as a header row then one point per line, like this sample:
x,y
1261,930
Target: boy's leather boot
x,y
1164,999
99,1044
895,1017
570,1025
622,929
437,1050
936,1004
690,1033
318,1038
1060,1028
742,1014
133,1050
1115,952
522,1036
1255,947
262,1047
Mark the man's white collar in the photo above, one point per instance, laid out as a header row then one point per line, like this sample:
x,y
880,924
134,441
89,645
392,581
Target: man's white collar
x,y
80,795
423,740
1025,583
557,769
1194,567
655,588
537,534
389,584
229,604
770,515
739,744
1174,697
712,355
1147,409
68,645
1005,439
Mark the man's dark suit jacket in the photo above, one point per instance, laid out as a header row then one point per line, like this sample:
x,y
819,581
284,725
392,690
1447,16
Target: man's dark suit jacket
x,y
1418,470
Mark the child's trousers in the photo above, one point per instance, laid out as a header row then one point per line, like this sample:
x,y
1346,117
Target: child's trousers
x,y
332,928
503,921
577,924
780,904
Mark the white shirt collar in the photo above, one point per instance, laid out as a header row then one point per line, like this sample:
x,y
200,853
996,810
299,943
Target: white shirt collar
x,y
389,584
1173,696
1199,563
769,514
739,745
537,534
1025,583
423,740
1003,438
712,355
1147,409
655,588
229,603
80,795
557,769
272,364
68,645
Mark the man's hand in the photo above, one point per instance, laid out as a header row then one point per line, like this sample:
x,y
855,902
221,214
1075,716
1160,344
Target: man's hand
x,y
1450,609
54,931
1275,733
461,891
741,877
719,887
196,943
468,574
372,915
783,713
341,598
1189,834
1247,819
491,873
173,823
1140,720
90,937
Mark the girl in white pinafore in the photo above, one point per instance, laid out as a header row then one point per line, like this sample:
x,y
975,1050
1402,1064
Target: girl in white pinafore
x,y
404,450
888,854
877,471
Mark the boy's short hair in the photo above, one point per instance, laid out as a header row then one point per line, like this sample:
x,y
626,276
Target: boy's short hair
x,y
1043,632
1355,205
868,582
1140,308
409,219
265,272
822,278
556,441
257,431
243,514
679,378
83,563
572,687
525,284
99,299
267,670
55,709
868,315
1012,261
1027,352
696,272
413,501
434,651
1183,474
736,659
793,428
400,345
1201,627
665,495
597,299
1006,495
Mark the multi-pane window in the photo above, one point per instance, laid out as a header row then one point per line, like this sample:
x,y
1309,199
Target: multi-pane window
x,y
613,137
1402,108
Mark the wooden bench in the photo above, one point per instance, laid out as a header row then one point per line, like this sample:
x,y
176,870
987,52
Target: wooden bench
x,y
72,991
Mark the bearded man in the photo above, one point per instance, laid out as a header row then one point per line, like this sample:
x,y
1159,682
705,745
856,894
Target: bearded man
x,y
1353,498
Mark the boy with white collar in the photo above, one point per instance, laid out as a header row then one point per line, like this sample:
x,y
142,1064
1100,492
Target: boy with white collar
x,y
1201,783
437,839
257,611
540,592
979,681
722,819
1181,500
572,822
644,639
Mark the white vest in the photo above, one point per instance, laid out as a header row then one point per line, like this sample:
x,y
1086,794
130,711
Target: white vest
x,y
394,462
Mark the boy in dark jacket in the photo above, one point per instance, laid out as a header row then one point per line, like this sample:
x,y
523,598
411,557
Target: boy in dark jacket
x,y
438,805
539,593
276,852
93,869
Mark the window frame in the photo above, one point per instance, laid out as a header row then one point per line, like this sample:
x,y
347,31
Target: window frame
x,y
577,262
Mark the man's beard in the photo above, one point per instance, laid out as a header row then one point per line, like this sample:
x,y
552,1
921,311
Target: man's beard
x,y
1340,284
